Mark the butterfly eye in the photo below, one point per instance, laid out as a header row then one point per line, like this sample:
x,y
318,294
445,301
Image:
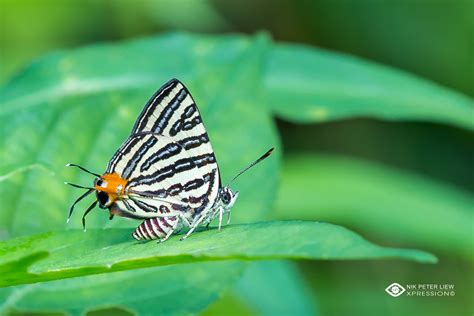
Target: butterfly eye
x,y
226,198
99,182
103,198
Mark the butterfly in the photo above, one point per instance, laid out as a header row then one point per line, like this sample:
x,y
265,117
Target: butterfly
x,y
165,173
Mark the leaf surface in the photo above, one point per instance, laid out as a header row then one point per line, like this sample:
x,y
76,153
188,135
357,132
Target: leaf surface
x,y
46,257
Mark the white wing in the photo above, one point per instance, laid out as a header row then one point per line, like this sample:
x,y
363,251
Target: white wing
x,y
168,158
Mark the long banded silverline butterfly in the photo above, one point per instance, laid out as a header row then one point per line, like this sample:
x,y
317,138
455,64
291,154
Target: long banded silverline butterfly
x,y
165,173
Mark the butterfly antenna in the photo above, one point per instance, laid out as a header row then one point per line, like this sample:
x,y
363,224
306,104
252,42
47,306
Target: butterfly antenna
x,y
83,169
77,201
78,186
90,208
265,155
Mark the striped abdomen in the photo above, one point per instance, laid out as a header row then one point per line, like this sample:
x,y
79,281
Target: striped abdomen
x,y
155,228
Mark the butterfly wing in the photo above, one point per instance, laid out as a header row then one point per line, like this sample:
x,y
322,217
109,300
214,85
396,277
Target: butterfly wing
x,y
169,112
168,159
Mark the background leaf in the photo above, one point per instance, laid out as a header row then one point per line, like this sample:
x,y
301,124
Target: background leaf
x,y
267,288
376,200
304,84
149,291
273,287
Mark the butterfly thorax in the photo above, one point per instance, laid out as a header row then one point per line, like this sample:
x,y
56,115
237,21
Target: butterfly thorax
x,y
109,187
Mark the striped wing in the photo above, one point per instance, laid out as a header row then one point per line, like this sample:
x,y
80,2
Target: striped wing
x,y
168,158
169,112
142,208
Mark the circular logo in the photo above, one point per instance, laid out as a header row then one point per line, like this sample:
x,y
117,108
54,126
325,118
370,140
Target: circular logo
x,y
395,290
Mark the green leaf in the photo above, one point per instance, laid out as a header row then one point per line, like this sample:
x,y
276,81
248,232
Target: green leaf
x,y
151,291
274,287
47,257
305,84
385,203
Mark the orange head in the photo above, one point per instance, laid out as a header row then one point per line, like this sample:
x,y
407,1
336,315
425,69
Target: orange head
x,y
109,187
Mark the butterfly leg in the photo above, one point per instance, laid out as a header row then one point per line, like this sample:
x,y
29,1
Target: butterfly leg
x,y
185,220
171,231
181,219
193,226
228,218
221,212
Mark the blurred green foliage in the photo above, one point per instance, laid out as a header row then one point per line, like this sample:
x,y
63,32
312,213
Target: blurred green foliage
x,y
433,178
386,201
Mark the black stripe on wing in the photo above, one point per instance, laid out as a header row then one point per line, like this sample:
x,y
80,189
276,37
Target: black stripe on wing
x,y
204,200
181,165
124,150
173,149
176,189
170,111
201,201
165,152
152,107
167,113
183,124
163,113
144,206
137,156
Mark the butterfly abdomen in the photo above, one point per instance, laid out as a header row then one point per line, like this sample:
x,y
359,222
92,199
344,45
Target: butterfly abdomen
x,y
155,228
